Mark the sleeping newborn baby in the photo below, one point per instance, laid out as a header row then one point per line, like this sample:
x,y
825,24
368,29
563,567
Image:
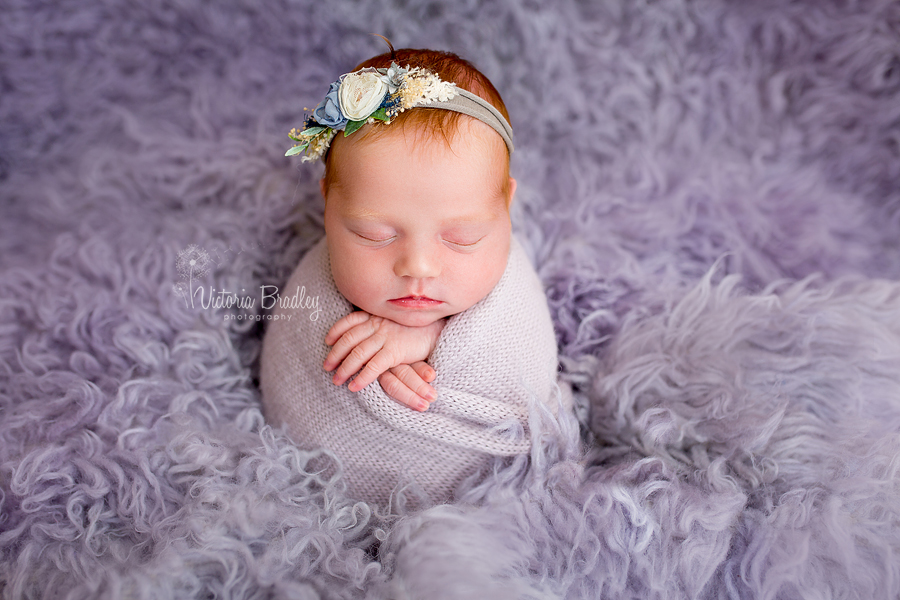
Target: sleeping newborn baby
x,y
424,295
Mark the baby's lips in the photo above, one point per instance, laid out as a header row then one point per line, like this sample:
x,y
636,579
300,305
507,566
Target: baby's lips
x,y
415,302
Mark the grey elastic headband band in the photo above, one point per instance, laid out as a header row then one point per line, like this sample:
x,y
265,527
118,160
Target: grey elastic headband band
x,y
467,103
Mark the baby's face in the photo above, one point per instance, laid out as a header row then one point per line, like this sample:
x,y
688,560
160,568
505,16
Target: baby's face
x,y
417,230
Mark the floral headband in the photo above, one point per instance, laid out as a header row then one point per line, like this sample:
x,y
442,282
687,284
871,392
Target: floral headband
x,y
371,94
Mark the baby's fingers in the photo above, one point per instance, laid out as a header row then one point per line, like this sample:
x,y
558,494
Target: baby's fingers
x,y
344,325
378,364
424,371
350,340
359,357
401,384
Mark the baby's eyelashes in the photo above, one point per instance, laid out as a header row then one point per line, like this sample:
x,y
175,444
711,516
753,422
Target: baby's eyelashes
x,y
463,245
374,238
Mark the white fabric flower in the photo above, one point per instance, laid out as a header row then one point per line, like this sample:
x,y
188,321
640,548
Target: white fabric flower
x,y
361,94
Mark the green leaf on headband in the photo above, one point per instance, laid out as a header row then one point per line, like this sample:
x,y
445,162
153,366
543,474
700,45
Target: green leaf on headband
x,y
380,114
312,132
296,150
353,126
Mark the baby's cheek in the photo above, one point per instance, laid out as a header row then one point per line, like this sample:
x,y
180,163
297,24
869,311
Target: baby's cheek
x,y
358,291
476,283
348,287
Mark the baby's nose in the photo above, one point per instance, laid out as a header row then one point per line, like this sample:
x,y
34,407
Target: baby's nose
x,y
418,261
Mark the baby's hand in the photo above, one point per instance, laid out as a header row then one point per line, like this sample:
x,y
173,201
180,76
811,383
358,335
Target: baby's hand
x,y
408,384
375,345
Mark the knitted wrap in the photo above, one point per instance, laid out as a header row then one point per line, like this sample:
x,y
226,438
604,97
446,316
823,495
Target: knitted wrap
x,y
491,361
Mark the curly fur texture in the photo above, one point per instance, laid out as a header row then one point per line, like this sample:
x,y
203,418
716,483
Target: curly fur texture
x,y
710,192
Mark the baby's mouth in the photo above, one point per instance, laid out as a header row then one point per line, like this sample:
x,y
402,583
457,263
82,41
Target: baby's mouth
x,y
415,302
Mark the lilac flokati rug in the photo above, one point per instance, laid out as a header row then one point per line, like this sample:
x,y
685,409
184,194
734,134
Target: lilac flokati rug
x,y
710,192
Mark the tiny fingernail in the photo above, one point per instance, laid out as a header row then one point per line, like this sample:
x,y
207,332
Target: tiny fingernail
x,y
423,406
430,395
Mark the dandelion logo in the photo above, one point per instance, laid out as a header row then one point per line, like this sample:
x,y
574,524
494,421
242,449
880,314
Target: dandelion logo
x,y
192,262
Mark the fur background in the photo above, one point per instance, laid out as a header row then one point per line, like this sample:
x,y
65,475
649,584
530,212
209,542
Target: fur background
x,y
710,190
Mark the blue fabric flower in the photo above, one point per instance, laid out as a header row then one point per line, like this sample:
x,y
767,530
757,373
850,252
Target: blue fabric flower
x,y
328,112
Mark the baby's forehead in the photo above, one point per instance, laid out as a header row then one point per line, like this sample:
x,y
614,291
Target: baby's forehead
x,y
471,156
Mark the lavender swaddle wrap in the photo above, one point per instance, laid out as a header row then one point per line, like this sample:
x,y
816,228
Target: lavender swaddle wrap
x,y
492,361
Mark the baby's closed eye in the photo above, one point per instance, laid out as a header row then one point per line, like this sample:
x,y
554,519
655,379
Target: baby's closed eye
x,y
375,237
463,242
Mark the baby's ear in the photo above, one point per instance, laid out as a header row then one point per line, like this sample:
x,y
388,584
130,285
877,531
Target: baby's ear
x,y
512,192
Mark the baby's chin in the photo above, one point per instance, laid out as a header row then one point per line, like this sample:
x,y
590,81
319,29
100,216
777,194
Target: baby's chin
x,y
410,318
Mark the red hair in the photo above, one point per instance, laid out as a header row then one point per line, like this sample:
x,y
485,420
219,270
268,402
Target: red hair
x,y
430,122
